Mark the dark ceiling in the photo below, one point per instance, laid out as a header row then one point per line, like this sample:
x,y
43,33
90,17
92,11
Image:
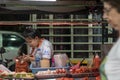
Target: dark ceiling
x,y
59,6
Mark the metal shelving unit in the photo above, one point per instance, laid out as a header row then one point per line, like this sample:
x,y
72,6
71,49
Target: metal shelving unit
x,y
75,37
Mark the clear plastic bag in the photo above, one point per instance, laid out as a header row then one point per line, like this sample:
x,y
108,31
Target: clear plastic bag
x,y
60,59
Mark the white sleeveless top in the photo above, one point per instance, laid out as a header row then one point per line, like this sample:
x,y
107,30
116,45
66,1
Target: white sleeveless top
x,y
45,50
112,66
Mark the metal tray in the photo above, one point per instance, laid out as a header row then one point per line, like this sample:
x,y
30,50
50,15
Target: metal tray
x,y
50,76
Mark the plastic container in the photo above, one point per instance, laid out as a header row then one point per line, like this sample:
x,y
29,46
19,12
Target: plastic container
x,y
35,70
45,63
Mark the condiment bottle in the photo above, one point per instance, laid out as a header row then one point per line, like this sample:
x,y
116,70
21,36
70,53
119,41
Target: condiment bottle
x,y
96,61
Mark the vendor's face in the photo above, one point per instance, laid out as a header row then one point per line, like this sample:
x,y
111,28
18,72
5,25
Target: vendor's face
x,y
32,42
112,16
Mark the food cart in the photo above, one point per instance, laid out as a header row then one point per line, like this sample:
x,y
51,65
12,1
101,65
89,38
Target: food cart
x,y
53,73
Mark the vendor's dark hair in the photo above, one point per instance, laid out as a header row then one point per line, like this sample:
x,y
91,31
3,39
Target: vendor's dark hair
x,y
113,3
22,50
31,33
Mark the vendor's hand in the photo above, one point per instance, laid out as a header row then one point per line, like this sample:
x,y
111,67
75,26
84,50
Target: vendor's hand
x,y
26,58
29,58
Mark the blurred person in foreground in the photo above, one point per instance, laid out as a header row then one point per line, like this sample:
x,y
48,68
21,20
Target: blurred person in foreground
x,y
110,66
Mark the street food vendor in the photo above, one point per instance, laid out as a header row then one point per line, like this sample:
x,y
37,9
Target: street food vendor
x,y
38,45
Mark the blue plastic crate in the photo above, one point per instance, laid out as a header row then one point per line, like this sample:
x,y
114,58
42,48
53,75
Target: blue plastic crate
x,y
35,70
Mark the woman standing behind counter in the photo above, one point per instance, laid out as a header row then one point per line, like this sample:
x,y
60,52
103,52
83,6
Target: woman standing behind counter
x,y
110,67
38,46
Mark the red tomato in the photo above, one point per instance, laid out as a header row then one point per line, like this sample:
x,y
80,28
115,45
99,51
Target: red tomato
x,y
63,70
57,71
97,78
86,78
1,79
